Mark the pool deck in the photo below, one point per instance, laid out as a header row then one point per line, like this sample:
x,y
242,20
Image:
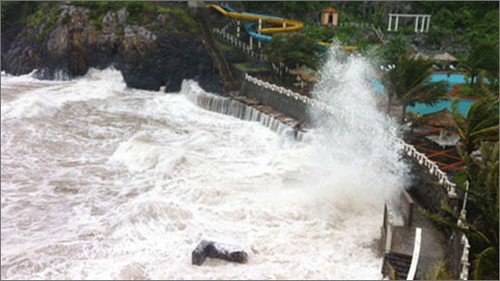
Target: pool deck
x,y
445,156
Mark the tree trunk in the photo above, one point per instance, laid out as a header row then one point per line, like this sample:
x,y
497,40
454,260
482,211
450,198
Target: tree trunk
x,y
389,103
472,81
403,114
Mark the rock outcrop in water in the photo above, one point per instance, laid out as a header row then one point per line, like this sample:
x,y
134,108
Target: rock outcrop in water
x,y
155,46
210,249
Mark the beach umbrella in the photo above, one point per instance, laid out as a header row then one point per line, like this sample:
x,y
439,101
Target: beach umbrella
x,y
445,57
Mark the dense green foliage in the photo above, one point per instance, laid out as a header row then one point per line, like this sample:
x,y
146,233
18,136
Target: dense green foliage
x,y
391,52
479,130
453,23
47,14
292,50
480,179
482,62
140,12
15,12
469,20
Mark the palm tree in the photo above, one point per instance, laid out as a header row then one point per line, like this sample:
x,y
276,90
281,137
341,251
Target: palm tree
x,y
409,82
481,123
482,221
480,129
481,61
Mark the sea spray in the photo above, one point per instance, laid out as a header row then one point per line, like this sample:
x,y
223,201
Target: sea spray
x,y
357,163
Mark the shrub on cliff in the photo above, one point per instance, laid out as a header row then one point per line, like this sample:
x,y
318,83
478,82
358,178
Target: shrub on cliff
x,y
293,50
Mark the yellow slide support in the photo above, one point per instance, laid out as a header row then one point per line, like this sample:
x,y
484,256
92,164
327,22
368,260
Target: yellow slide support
x,y
286,25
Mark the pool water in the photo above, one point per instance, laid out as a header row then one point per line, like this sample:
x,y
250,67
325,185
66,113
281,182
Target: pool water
x,y
423,109
452,78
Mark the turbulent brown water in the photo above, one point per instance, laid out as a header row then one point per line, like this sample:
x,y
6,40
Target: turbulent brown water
x,y
104,182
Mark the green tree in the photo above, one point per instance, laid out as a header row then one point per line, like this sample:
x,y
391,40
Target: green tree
x,y
480,178
481,124
409,82
393,50
480,130
482,59
481,222
292,50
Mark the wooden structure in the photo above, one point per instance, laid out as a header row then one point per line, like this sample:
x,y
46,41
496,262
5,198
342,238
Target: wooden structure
x,y
330,17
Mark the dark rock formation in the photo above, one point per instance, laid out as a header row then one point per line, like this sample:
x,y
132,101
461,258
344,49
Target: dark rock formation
x,y
209,249
149,55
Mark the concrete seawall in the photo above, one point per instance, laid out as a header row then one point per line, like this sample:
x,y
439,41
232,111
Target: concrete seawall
x,y
296,109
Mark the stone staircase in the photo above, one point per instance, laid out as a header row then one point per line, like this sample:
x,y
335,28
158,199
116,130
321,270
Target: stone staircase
x,y
396,265
230,83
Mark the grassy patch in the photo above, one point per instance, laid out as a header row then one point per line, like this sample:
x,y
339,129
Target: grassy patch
x,y
439,272
222,46
47,17
181,14
245,67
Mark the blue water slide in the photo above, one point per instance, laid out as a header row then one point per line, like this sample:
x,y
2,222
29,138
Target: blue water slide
x,y
250,26
250,29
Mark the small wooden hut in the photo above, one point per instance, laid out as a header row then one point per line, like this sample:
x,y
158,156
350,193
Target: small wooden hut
x,y
330,17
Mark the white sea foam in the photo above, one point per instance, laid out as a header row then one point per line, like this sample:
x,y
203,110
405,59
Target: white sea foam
x,y
49,96
357,162
123,184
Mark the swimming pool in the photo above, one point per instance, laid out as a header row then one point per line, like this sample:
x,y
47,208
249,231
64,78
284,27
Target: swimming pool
x,y
423,109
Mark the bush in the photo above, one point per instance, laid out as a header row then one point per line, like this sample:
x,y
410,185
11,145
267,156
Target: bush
x,y
292,49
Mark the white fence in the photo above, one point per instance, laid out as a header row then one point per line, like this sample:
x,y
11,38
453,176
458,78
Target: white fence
x,y
238,43
416,254
464,274
228,37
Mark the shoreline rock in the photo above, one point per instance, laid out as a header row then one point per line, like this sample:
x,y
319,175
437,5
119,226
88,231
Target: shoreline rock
x,y
150,55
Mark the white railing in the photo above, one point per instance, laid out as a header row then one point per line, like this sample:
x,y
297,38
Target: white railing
x,y
416,254
228,37
238,43
464,260
432,166
280,69
410,149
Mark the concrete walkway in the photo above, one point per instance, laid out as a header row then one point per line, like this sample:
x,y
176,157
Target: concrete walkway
x,y
433,245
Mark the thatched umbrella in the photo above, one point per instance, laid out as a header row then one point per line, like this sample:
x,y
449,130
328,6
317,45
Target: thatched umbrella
x,y
441,119
445,57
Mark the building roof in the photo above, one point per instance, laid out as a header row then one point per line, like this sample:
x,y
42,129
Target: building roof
x,y
330,10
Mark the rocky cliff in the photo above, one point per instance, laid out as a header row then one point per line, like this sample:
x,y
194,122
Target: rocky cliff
x,y
152,43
